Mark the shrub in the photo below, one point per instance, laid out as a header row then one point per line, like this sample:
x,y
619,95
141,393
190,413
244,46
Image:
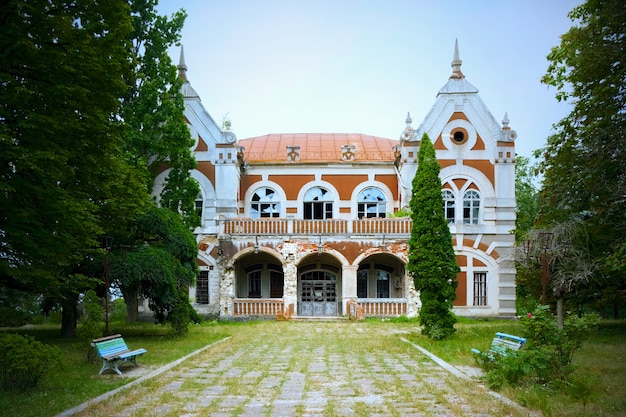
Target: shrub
x,y
24,361
548,354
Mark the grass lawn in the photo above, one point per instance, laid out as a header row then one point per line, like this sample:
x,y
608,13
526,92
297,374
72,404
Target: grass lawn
x,y
598,388
601,364
75,381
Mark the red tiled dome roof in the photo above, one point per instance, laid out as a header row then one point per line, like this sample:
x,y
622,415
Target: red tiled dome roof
x,y
318,147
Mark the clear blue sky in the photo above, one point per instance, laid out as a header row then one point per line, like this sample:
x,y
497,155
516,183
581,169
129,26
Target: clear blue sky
x,y
358,66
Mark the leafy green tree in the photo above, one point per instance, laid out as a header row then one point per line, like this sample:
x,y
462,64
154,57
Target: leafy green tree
x,y
432,262
526,197
161,263
154,125
584,161
64,69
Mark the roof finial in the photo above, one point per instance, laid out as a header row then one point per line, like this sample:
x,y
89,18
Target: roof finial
x,y
408,119
456,62
182,67
506,121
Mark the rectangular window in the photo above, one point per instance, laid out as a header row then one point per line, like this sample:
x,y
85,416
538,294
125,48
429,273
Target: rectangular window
x,y
202,288
449,211
361,284
480,288
254,284
382,284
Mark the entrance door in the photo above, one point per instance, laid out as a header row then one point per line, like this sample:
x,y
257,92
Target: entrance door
x,y
318,294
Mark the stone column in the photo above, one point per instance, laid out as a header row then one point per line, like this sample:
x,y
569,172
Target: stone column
x,y
348,285
290,286
227,293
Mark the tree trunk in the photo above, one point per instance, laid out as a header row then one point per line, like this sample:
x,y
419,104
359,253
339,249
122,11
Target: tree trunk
x,y
132,308
69,312
559,311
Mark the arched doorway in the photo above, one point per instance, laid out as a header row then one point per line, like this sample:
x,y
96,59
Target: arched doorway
x,y
319,290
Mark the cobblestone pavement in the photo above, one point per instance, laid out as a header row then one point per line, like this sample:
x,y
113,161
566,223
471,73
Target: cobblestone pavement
x,y
307,369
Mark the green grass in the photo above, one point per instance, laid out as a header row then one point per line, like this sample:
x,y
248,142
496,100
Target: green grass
x,y
74,381
597,389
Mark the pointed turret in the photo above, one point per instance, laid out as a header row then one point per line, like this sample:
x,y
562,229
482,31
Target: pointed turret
x,y
408,134
186,89
457,84
182,67
456,62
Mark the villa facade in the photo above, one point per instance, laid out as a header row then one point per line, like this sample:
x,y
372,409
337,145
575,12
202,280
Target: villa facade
x,y
303,225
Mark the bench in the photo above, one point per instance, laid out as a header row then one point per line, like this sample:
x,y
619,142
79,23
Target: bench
x,y
114,352
501,345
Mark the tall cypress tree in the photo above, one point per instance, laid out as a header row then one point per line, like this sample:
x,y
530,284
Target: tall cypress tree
x,y
432,263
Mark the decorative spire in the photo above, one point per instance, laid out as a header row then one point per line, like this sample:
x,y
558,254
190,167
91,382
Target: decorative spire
x,y
506,121
408,134
456,62
182,67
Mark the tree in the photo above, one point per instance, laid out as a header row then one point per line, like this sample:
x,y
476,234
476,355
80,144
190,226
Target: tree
x,y
64,69
584,161
159,265
432,262
526,197
567,260
155,130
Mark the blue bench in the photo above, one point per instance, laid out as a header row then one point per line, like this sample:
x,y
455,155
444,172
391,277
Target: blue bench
x,y
114,352
501,345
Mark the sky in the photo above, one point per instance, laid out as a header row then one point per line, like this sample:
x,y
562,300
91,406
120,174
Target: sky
x,y
359,66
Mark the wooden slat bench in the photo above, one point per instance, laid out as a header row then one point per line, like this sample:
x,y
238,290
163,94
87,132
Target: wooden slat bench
x,y
114,352
501,345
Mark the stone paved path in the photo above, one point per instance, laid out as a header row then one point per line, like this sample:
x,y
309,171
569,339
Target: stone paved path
x,y
307,369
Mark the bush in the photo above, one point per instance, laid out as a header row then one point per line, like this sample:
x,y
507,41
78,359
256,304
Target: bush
x,y
11,317
548,354
24,361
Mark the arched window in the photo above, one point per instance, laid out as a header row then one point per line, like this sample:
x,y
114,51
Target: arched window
x,y
265,203
318,204
471,207
448,205
371,203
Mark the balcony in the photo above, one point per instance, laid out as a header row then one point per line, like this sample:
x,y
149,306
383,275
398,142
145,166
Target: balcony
x,y
397,227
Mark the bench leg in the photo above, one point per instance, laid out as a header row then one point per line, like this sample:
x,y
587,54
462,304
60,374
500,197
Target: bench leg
x,y
110,365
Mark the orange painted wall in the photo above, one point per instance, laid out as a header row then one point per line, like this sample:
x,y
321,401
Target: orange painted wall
x,y
483,166
461,290
208,169
292,184
345,184
390,181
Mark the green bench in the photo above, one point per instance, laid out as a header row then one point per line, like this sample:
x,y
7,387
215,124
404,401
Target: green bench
x,y
501,345
114,352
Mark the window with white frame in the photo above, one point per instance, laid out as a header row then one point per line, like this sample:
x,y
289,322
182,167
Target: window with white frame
x,y
448,205
471,207
318,204
371,202
265,203
480,288
198,206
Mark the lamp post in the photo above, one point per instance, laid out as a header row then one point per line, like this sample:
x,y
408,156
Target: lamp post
x,y
107,283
